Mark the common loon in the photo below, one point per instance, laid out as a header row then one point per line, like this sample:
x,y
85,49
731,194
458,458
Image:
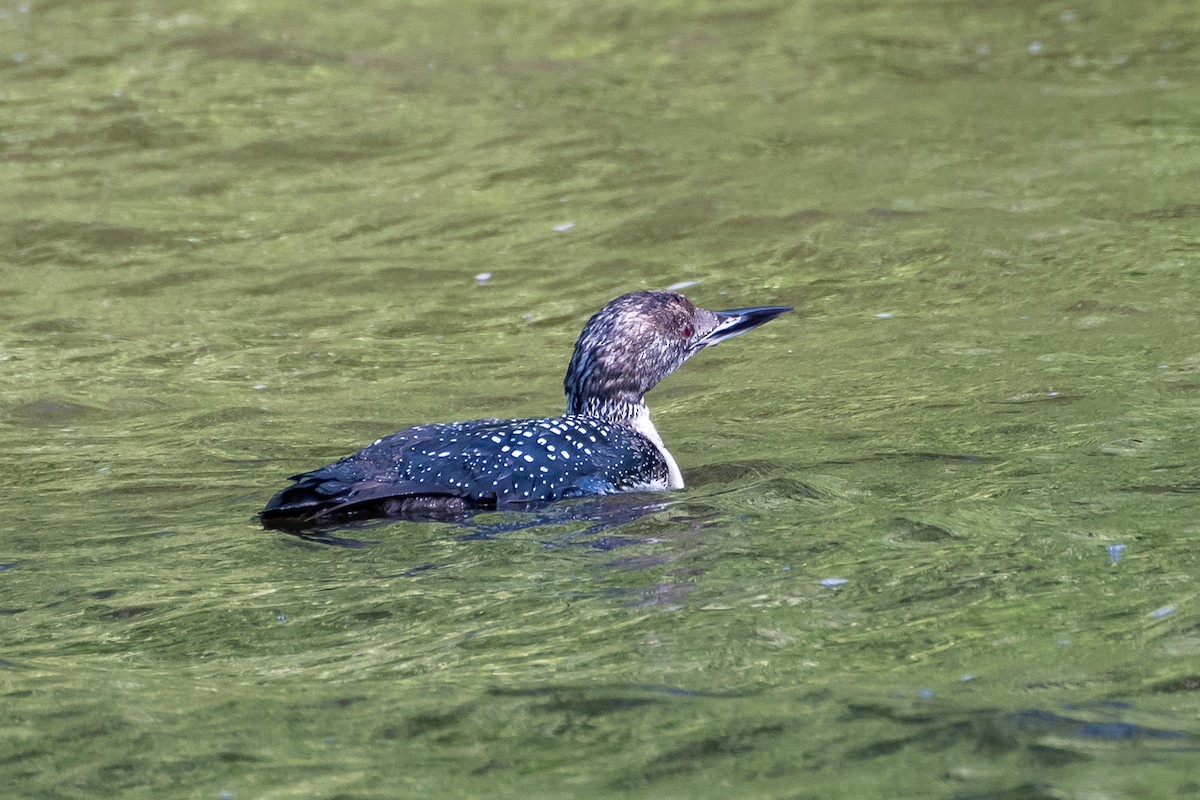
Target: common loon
x,y
605,442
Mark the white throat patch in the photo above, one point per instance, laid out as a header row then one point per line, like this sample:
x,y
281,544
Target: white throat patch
x,y
642,424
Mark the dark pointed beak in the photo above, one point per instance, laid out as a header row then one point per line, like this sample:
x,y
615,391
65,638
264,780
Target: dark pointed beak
x,y
736,321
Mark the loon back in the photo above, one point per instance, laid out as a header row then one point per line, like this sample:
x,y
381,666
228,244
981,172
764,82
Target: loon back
x,y
435,470
606,443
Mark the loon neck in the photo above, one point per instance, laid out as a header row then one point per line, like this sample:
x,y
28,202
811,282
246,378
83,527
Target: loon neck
x,y
609,409
635,416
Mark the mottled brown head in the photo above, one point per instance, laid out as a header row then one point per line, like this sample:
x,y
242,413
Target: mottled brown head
x,y
637,340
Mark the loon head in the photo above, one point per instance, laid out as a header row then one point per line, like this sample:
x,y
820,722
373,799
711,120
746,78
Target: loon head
x,y
640,338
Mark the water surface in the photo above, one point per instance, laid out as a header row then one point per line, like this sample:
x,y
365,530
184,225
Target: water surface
x,y
938,539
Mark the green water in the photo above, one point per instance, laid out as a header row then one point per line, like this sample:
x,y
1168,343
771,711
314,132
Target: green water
x,y
241,239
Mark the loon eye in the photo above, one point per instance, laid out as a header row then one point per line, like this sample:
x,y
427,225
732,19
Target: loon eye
x,y
687,331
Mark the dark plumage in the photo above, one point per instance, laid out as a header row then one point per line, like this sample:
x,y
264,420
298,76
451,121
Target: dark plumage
x,y
605,443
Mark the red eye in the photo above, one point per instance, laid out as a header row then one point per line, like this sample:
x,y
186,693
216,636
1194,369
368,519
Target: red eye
x,y
687,331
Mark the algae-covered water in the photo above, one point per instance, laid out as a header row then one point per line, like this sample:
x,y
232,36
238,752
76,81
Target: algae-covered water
x,y
940,533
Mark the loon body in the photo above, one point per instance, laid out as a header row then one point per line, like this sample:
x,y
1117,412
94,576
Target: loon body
x,y
605,442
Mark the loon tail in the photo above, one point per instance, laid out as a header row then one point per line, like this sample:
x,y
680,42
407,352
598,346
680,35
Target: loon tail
x,y
326,497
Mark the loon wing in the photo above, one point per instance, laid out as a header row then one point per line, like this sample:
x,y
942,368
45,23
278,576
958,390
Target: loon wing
x,y
366,480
